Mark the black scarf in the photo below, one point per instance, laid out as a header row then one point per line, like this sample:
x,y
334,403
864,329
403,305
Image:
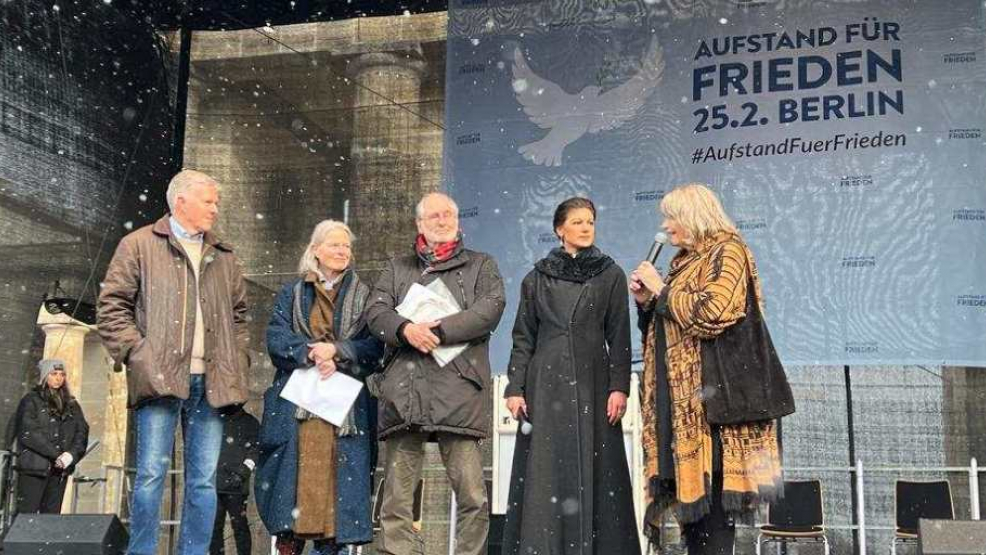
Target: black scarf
x,y
585,265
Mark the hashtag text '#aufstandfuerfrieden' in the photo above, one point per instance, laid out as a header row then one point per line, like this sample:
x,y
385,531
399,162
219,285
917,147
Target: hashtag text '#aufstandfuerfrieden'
x,y
797,146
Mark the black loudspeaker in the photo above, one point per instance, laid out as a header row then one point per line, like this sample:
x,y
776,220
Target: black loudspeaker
x,y
45,534
951,537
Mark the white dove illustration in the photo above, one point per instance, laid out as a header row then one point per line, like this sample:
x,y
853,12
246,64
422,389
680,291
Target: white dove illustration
x,y
569,116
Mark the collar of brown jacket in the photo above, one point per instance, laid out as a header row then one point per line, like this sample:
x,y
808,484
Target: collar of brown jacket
x,y
163,228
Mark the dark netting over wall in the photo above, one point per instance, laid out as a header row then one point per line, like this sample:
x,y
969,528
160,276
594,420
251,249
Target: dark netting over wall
x,y
907,421
302,123
85,138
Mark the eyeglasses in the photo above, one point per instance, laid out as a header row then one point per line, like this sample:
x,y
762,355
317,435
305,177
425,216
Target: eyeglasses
x,y
446,215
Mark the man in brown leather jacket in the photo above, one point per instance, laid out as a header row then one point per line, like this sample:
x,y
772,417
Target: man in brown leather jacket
x,y
173,309
417,397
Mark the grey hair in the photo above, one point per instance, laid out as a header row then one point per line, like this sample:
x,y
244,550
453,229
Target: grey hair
x,y
182,181
419,210
308,262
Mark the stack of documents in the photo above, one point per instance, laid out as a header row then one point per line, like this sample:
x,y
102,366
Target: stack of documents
x,y
430,304
329,399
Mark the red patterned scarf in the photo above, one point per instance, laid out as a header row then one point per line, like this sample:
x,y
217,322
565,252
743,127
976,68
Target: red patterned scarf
x,y
438,253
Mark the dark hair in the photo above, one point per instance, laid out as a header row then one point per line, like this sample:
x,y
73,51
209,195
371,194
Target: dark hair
x,y
57,399
574,203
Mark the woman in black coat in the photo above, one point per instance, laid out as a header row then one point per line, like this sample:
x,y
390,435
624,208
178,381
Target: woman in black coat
x,y
52,434
569,371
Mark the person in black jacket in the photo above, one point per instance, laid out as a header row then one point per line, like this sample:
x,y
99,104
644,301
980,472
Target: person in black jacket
x,y
237,460
417,396
52,434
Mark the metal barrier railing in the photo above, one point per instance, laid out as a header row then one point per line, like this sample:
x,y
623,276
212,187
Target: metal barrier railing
x,y
123,489
121,477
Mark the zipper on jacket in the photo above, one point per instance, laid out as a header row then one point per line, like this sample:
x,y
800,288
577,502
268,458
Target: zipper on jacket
x,y
575,307
186,266
184,305
410,399
462,289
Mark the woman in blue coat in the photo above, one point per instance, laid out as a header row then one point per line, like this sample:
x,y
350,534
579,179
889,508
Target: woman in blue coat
x,y
314,479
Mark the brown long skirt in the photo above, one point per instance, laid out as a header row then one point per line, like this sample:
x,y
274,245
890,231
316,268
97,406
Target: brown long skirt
x,y
316,517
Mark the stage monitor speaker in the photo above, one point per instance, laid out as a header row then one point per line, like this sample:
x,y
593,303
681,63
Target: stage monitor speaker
x,y
951,537
46,534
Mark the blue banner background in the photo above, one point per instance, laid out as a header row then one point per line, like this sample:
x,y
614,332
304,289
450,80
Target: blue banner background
x,y
868,256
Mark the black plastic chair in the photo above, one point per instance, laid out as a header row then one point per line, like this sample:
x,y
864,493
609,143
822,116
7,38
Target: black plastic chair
x,y
917,500
798,518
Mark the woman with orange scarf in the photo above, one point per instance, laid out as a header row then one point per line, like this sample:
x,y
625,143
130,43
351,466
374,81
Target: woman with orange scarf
x,y
709,475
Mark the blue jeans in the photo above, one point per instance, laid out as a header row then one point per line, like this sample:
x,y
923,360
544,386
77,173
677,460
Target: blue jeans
x,y
202,429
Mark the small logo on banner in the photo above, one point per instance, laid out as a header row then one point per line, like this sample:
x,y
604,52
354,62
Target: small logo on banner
x,y
547,238
959,57
970,133
750,3
974,301
853,181
862,347
470,212
859,262
751,224
648,196
969,215
467,69
469,138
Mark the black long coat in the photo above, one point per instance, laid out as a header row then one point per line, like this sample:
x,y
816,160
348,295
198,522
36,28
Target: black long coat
x,y
570,490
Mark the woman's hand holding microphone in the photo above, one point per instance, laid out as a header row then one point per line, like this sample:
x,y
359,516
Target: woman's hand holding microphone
x,y
645,283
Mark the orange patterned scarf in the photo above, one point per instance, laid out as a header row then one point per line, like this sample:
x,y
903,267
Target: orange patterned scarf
x,y
706,295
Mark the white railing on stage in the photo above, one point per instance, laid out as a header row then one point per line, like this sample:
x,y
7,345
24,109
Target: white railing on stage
x,y
859,470
504,432
7,501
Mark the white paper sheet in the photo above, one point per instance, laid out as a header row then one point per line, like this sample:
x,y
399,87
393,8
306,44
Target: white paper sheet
x,y
328,399
428,304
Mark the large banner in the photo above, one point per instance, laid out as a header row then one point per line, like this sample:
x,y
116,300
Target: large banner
x,y
844,138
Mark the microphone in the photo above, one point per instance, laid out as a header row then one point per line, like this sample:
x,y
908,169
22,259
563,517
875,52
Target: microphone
x,y
525,425
655,249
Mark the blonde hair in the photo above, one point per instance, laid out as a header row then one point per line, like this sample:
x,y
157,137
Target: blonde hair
x,y
698,210
308,262
182,181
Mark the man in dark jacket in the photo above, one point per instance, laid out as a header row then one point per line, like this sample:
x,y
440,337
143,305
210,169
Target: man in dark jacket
x,y
237,460
417,397
173,309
